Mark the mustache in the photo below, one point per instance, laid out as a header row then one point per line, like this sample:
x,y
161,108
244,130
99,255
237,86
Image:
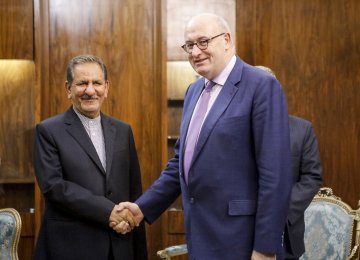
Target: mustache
x,y
88,97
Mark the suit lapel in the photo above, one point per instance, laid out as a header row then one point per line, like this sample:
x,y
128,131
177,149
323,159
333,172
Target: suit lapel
x,y
223,100
75,128
109,137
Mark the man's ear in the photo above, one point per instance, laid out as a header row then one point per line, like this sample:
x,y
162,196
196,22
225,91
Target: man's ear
x,y
68,89
107,85
228,40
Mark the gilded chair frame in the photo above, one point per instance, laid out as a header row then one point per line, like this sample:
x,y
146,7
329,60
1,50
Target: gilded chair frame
x,y
14,244
355,253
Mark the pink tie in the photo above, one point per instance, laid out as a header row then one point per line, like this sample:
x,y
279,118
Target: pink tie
x,y
195,127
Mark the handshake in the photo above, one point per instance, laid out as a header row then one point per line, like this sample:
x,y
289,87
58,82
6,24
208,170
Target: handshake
x,y
125,216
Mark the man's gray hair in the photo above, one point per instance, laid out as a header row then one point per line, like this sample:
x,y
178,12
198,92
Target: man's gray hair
x,y
81,59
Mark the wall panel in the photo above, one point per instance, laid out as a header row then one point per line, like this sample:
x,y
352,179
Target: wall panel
x,y
16,121
317,59
16,131
17,86
16,29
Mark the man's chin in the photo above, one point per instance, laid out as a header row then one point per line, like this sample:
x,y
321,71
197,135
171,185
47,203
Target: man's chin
x,y
201,72
90,110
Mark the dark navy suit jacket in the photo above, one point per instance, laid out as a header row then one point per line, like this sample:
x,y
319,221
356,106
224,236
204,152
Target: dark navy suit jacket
x,y
80,195
307,176
240,177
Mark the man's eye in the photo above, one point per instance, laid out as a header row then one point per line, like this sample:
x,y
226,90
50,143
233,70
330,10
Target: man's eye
x,y
202,42
189,45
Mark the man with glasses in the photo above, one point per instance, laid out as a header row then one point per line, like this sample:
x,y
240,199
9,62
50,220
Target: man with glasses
x,y
232,159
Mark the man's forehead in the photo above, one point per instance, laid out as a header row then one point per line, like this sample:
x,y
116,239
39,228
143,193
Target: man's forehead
x,y
197,32
87,64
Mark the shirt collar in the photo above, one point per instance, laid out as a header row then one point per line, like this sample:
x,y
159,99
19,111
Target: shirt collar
x,y
85,120
222,77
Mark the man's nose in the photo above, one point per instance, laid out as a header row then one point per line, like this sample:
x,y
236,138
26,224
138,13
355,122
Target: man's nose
x,y
196,50
90,88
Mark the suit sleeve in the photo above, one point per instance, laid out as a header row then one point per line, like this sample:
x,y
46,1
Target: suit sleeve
x,y
163,192
272,150
66,195
310,177
165,189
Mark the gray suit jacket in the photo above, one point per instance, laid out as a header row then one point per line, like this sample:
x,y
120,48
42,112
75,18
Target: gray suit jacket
x,y
80,195
307,176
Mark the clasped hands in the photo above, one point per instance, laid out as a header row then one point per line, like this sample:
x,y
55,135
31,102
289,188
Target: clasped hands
x,y
125,217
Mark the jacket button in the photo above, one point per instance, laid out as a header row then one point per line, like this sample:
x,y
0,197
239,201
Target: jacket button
x,y
192,200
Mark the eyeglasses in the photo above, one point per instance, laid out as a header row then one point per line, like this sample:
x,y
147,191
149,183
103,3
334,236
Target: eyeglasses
x,y
201,44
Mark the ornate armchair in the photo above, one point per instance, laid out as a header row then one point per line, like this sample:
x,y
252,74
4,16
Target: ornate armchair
x,y
331,228
10,228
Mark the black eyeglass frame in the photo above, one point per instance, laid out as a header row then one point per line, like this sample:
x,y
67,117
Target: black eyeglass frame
x,y
204,42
